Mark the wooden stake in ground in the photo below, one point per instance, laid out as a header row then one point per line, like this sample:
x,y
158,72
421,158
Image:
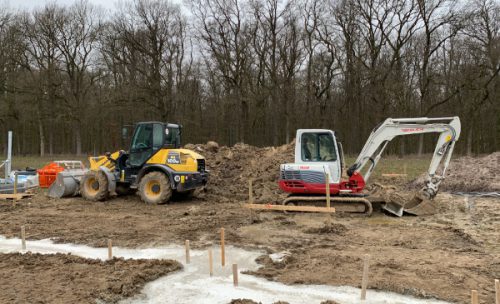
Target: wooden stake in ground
x,y
250,192
23,238
210,262
327,192
473,297
110,249
404,172
235,275
188,258
327,189
222,249
15,184
364,282
250,198
497,291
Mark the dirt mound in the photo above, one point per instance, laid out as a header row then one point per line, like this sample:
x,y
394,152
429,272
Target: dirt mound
x,y
243,301
64,278
332,228
467,174
232,167
248,301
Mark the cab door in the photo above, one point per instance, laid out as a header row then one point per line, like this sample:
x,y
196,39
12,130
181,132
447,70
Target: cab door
x,y
317,148
147,140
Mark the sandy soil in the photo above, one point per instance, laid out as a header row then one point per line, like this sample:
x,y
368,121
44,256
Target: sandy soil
x,y
61,278
443,256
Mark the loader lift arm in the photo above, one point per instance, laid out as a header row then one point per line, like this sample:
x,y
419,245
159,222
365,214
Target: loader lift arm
x,y
448,127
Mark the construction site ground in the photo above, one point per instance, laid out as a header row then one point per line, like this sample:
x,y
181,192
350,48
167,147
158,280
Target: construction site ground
x,y
442,256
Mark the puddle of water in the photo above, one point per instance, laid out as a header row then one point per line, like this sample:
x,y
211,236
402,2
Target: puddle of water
x,y
194,284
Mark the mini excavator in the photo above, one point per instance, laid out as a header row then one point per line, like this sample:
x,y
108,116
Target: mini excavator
x,y
318,155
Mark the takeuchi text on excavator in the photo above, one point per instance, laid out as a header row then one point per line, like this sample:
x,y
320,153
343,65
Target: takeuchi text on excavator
x,y
318,155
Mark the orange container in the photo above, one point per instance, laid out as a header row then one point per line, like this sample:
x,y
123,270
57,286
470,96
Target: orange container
x,y
47,175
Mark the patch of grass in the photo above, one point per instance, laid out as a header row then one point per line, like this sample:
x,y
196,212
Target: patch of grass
x,y
415,166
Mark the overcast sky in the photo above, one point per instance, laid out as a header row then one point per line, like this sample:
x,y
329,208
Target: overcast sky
x,y
29,4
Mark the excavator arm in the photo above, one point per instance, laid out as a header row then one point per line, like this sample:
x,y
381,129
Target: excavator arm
x,y
447,127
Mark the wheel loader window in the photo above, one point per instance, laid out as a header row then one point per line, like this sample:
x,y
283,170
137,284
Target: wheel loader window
x,y
318,147
143,137
172,137
157,136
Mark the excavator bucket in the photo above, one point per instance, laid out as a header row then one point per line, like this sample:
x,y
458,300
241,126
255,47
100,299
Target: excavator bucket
x,y
420,204
393,208
67,183
398,203
393,202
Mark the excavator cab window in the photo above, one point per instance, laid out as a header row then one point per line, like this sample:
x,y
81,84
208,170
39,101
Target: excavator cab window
x,y
318,147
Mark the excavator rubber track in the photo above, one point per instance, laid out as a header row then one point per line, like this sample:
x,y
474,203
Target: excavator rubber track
x,y
342,204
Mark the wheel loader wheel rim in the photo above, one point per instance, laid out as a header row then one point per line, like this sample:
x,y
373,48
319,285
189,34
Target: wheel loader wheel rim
x,y
92,186
153,189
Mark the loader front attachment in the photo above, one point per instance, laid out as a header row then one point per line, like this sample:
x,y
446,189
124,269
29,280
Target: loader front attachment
x,y
67,183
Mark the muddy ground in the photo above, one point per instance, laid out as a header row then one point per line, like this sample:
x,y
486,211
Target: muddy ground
x,y
442,256
64,278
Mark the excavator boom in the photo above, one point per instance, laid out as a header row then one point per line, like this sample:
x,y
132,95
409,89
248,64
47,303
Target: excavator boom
x,y
449,129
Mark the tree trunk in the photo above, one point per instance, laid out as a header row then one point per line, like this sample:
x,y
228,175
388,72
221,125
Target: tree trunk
x,y
421,145
402,148
41,131
469,141
78,138
51,142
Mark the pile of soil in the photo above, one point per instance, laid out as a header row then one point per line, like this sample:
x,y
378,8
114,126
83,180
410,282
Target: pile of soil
x,y
232,167
468,174
65,278
338,229
248,301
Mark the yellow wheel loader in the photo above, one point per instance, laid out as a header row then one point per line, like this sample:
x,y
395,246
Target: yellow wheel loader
x,y
155,166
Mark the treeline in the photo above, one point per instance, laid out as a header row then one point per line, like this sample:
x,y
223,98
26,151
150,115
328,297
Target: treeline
x,y
248,71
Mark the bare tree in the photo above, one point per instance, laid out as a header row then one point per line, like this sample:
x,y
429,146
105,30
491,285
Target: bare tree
x,y
78,36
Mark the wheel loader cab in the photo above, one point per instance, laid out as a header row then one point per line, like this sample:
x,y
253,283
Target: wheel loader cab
x,y
149,138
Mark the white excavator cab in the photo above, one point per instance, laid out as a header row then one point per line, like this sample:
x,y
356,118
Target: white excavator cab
x,y
318,149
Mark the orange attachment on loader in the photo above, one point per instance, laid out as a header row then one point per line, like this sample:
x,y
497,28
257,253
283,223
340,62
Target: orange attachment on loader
x,y
47,175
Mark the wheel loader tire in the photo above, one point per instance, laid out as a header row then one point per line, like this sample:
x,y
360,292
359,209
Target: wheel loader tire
x,y
155,188
94,186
